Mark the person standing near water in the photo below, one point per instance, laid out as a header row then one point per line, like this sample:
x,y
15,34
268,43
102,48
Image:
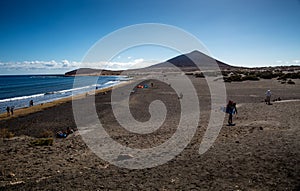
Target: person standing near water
x,y
12,110
31,103
8,110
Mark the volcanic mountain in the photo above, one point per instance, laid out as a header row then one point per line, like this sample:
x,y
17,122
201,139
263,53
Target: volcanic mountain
x,y
92,72
185,62
191,60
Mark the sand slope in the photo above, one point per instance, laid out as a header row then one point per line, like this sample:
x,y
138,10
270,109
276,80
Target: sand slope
x,y
260,153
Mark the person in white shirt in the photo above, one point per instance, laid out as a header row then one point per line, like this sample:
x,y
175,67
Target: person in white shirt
x,y
268,97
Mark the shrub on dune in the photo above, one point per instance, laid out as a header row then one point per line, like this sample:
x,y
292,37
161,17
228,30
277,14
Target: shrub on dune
x,y
291,82
46,134
4,133
250,77
42,142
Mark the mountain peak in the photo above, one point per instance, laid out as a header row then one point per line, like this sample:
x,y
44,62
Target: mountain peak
x,y
192,60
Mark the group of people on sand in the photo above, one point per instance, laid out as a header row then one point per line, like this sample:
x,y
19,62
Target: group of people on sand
x,y
10,110
64,134
231,107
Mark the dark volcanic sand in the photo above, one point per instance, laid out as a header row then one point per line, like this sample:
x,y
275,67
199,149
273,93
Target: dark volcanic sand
x,y
260,153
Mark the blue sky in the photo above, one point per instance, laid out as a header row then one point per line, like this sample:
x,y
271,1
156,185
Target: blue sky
x,y
43,36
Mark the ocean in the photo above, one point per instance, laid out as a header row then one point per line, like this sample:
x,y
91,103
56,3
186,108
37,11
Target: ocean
x,y
17,91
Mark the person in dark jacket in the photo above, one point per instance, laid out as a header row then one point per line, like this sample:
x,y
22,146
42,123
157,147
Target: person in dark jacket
x,y
231,109
8,111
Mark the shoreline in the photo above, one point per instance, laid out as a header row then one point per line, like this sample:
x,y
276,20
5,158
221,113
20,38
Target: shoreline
x,y
20,112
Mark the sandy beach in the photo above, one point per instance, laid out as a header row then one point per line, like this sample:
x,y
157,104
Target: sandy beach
x,y
261,152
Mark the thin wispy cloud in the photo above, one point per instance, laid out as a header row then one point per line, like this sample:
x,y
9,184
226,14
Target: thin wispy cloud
x,y
288,62
296,61
137,63
36,65
68,65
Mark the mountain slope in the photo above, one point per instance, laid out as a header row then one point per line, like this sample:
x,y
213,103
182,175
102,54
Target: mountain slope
x,y
185,62
91,72
191,61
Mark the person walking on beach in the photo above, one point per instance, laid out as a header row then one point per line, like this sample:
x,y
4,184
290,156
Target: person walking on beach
x,y
231,109
12,110
268,97
8,110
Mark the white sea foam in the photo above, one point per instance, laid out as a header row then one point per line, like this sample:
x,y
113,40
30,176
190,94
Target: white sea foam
x,y
21,97
22,101
73,90
111,82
